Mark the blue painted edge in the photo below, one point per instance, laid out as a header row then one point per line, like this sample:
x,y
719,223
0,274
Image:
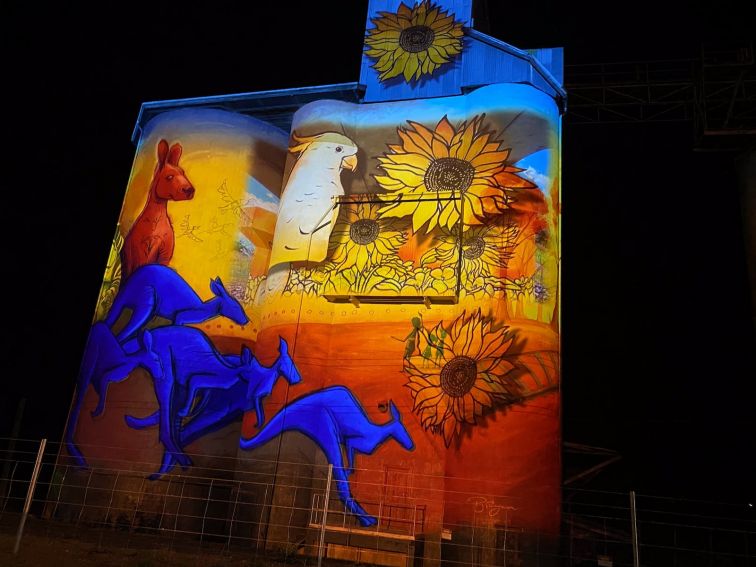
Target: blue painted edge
x,y
287,101
525,56
284,100
556,65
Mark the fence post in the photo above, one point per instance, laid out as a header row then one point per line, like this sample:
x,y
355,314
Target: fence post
x,y
86,492
178,509
325,515
57,496
106,520
29,495
260,522
165,503
634,525
6,496
112,493
233,515
11,451
204,514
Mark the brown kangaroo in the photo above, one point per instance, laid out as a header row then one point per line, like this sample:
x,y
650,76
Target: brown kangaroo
x,y
151,240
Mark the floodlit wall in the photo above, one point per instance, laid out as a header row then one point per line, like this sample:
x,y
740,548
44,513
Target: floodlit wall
x,y
376,289
193,237
454,202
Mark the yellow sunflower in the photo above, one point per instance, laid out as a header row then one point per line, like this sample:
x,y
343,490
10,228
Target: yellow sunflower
x,y
436,175
413,42
111,282
459,371
484,248
361,240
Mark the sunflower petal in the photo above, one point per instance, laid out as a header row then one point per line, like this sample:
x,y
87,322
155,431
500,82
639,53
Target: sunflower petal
x,y
445,130
414,143
398,67
405,175
449,427
411,67
440,148
425,210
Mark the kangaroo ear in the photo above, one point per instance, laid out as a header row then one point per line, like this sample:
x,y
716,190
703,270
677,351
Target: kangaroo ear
x,y
174,154
283,346
394,411
216,286
246,355
162,152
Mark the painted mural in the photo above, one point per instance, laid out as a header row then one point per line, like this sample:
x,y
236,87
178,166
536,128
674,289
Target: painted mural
x,y
381,281
336,421
413,42
192,246
430,279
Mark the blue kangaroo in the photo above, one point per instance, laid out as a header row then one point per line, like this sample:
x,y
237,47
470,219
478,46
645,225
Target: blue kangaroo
x,y
156,290
218,409
191,363
105,361
333,418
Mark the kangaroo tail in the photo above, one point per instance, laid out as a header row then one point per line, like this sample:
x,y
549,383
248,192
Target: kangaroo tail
x,y
272,429
143,422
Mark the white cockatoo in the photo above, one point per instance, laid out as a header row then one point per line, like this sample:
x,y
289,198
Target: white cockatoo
x,y
307,210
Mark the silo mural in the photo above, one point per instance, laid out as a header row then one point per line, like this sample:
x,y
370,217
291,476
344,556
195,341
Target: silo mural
x,y
373,286
191,245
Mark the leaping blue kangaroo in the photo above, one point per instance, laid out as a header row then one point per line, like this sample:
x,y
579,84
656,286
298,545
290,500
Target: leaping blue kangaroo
x,y
217,409
159,290
334,419
191,363
105,361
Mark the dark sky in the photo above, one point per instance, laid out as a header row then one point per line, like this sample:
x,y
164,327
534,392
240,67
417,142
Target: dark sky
x,y
658,343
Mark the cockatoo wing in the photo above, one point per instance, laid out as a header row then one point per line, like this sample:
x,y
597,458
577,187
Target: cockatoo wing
x,y
307,208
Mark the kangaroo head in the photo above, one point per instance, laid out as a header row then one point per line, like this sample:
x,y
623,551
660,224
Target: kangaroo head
x,y
399,432
285,365
252,372
150,359
170,181
229,305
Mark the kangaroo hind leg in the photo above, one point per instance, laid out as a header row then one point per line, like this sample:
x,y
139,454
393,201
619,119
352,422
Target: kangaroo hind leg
x,y
200,381
167,427
142,312
330,443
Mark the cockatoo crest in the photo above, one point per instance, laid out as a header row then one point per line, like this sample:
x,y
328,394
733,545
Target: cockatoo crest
x,y
303,142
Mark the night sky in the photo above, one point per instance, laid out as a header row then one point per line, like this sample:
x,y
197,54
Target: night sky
x,y
658,358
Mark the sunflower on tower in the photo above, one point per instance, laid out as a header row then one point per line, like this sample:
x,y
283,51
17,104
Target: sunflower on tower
x,y
413,42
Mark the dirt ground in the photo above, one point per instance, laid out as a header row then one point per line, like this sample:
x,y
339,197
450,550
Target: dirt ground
x,y
45,545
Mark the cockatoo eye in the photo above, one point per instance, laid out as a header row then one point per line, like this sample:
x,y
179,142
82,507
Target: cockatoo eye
x,y
339,148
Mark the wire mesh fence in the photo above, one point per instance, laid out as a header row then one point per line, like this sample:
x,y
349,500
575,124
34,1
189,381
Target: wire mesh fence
x,y
262,512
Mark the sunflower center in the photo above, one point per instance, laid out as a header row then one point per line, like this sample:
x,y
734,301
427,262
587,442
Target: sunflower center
x,y
449,174
416,38
473,247
458,376
364,231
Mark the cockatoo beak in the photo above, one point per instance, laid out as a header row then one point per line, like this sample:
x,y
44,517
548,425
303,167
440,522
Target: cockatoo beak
x,y
349,162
